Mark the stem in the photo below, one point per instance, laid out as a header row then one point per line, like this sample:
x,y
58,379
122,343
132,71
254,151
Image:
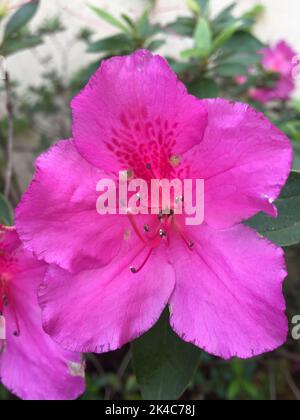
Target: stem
x,y
10,135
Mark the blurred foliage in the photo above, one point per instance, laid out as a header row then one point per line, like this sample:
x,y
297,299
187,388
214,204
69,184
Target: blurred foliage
x,y
222,47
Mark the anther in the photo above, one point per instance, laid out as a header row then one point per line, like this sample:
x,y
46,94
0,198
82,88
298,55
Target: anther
x,y
147,228
162,233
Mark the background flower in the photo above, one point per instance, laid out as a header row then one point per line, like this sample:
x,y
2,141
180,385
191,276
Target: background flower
x,y
279,61
32,366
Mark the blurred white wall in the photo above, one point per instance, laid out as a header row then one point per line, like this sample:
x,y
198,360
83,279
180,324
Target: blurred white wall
x,y
281,20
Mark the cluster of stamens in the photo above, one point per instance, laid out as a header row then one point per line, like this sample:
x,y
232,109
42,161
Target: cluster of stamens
x,y
152,237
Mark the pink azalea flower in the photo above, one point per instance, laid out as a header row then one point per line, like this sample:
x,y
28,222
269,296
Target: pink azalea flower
x,y
112,276
32,366
278,60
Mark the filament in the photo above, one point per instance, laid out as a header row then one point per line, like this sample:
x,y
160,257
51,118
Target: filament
x,y
137,270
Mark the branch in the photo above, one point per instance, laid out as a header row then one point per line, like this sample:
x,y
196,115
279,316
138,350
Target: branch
x,y
10,135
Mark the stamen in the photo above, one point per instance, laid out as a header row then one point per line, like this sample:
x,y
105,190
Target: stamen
x,y
152,241
135,228
137,270
5,303
162,233
190,244
17,331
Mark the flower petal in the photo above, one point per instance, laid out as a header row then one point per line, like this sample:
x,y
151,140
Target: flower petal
x,y
134,109
228,297
101,310
32,366
245,161
57,218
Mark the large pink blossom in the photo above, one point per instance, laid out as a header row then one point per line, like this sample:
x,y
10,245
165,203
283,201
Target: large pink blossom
x,y
31,365
278,59
112,276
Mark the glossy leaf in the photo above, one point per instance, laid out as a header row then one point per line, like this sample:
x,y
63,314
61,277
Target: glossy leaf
x,y
225,35
184,26
204,88
164,364
12,46
285,230
204,6
107,17
114,43
203,37
155,44
194,6
21,18
242,42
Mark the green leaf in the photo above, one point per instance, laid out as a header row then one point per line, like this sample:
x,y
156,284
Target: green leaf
x,y
194,6
255,12
3,11
234,390
296,105
113,43
246,59
190,53
178,66
184,26
6,212
226,13
226,35
203,37
145,28
164,364
129,21
224,19
107,17
285,230
204,6
242,42
12,46
155,44
143,25
231,69
21,18
204,88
